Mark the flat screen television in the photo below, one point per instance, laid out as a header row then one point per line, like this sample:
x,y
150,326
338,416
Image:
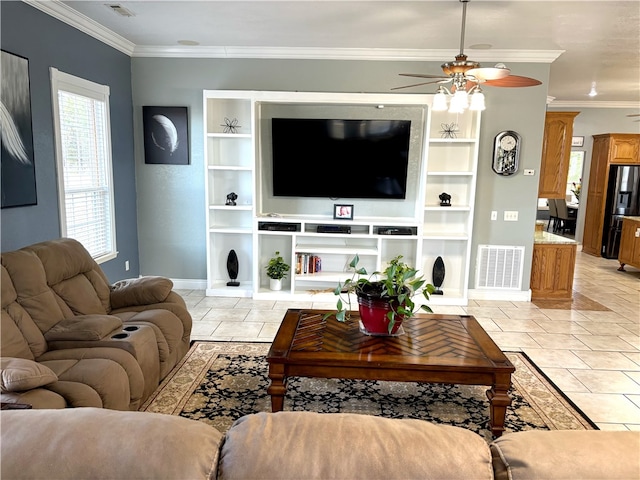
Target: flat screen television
x,y
340,158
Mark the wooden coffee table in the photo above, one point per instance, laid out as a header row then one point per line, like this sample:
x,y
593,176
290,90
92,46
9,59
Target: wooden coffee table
x,y
435,348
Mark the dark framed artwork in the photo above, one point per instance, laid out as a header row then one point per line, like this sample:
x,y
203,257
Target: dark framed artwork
x,y
17,162
166,135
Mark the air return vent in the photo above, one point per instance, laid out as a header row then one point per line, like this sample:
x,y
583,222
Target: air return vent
x,y
499,267
119,9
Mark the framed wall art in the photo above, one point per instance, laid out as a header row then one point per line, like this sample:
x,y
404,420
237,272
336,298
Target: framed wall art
x,y
166,135
342,212
18,167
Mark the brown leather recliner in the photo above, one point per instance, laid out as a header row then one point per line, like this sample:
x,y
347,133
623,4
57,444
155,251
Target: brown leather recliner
x,y
69,338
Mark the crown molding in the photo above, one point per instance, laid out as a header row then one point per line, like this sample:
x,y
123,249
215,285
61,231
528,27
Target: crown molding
x,y
592,104
381,54
68,15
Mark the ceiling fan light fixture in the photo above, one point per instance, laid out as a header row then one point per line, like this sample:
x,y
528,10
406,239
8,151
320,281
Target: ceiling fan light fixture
x,y
477,100
440,100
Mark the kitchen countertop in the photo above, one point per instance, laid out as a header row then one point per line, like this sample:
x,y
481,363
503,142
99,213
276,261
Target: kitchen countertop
x,y
637,219
551,238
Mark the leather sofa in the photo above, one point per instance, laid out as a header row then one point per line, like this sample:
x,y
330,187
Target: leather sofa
x,y
71,339
105,444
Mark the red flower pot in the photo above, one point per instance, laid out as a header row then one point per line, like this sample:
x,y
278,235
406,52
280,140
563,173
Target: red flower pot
x,y
374,309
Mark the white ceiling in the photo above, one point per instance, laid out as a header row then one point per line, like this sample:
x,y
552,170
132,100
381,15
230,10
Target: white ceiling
x,y
585,41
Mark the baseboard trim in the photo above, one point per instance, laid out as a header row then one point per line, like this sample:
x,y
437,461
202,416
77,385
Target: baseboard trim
x,y
495,294
188,284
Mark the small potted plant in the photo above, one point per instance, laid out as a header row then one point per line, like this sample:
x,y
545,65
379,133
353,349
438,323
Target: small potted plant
x,y
385,299
277,269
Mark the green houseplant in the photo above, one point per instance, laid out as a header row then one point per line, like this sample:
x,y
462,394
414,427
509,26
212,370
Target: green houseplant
x,y
387,295
277,269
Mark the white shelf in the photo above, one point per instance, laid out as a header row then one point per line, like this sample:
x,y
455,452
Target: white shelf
x,y
231,168
453,208
446,236
231,207
229,135
223,229
345,249
450,174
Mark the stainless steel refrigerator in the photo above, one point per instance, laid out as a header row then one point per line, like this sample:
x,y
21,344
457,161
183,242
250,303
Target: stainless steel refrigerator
x,y
623,199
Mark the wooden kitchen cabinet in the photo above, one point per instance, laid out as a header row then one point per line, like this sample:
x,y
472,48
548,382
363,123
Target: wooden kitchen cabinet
x,y
552,267
608,149
556,150
629,253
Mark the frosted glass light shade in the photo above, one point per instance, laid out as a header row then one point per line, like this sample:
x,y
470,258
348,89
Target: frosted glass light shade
x,y
439,102
477,101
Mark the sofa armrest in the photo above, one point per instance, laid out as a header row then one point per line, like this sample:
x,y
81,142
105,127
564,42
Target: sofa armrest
x,y
140,291
83,327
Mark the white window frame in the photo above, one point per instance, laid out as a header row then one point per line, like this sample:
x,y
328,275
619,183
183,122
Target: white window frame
x,y
61,81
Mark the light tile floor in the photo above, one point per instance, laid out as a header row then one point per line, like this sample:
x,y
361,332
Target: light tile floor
x,y
593,356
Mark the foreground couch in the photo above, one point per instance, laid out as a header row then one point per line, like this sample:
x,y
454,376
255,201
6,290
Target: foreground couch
x,y
103,444
71,339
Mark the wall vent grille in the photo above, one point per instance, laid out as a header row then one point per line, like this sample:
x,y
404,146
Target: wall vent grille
x,y
499,267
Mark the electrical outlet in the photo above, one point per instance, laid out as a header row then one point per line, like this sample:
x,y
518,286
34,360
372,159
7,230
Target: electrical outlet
x,y
126,265
494,215
510,215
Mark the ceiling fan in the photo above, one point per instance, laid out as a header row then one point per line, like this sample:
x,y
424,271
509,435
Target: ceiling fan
x,y
634,115
466,76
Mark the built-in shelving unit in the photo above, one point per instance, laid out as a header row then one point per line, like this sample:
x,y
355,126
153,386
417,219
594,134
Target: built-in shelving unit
x,y
235,163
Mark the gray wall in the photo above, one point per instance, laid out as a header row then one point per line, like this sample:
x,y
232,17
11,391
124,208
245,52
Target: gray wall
x,y
47,42
171,198
594,121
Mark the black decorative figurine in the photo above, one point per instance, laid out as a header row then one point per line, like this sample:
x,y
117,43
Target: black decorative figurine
x,y
232,269
438,275
445,199
231,199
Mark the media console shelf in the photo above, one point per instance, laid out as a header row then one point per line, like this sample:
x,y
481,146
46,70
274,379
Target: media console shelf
x,y
418,228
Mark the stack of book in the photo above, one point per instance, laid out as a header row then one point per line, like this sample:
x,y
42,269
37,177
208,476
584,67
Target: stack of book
x,y
308,263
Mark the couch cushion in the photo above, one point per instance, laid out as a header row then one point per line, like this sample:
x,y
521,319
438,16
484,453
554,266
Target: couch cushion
x,y
567,454
83,443
20,374
83,327
140,291
306,445
73,275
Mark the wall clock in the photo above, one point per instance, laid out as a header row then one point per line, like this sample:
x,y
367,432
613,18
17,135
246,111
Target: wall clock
x,y
506,152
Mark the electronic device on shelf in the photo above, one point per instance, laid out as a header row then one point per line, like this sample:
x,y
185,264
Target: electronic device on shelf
x,y
397,230
279,226
333,229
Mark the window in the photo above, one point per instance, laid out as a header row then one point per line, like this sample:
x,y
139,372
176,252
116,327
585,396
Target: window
x,y
83,159
574,177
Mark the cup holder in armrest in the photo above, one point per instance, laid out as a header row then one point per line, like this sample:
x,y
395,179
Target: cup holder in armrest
x,y
131,328
119,336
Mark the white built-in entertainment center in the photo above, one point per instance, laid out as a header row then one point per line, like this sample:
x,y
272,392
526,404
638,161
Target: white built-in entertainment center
x,y
238,159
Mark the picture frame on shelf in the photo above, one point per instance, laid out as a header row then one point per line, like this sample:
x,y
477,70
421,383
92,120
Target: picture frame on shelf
x,y
342,211
166,135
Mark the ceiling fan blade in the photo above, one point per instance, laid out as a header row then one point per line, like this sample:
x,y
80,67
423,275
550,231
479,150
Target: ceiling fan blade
x,y
513,81
423,75
488,73
634,115
416,85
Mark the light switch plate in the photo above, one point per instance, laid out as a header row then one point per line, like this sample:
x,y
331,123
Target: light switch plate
x,y
510,215
529,172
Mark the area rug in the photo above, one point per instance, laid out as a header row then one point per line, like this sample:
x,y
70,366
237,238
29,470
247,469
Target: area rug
x,y
219,382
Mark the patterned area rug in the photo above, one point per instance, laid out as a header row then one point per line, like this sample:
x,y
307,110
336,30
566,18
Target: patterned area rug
x,y
218,382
